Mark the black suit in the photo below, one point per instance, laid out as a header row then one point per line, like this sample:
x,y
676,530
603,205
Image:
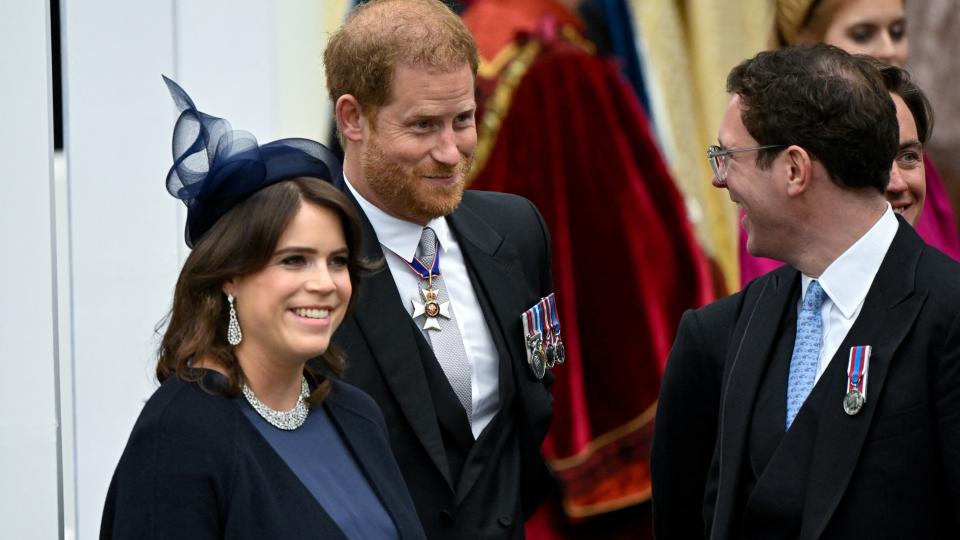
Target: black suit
x,y
891,471
462,488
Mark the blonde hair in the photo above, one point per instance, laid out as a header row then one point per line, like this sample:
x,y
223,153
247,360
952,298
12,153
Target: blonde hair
x,y
802,21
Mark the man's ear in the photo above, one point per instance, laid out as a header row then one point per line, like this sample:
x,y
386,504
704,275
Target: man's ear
x,y
350,118
799,170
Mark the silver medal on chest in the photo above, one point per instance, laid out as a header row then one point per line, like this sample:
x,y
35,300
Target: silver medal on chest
x,y
538,364
853,402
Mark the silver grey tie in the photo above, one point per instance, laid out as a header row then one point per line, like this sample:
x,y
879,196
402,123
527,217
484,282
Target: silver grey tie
x,y
441,325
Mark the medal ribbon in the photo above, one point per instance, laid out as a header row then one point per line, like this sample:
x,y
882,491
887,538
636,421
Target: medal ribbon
x,y
421,269
554,321
857,369
547,319
528,327
537,320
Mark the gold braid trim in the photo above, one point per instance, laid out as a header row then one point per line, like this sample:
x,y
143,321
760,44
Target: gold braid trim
x,y
490,70
585,511
607,438
576,38
611,472
498,105
513,61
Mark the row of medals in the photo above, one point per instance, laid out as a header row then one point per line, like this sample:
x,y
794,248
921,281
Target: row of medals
x,y
542,357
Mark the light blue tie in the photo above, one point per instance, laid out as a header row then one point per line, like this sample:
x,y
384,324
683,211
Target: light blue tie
x,y
806,350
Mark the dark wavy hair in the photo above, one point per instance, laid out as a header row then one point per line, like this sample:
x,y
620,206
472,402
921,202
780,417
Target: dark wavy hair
x,y
241,243
832,104
899,82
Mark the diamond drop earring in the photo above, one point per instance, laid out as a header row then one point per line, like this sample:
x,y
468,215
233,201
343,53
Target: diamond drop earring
x,y
234,335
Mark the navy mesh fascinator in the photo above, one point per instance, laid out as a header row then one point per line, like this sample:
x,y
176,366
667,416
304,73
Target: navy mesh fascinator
x,y
216,167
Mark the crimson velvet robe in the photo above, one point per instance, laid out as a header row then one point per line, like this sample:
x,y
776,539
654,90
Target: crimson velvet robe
x,y
559,125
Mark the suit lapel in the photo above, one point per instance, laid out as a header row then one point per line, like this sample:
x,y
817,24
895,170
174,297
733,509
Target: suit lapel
x,y
888,314
490,261
393,347
496,281
753,340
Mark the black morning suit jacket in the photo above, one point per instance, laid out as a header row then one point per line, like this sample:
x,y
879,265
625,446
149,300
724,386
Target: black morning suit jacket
x,y
461,488
891,471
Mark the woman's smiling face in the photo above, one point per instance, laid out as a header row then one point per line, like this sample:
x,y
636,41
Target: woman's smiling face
x,y
289,310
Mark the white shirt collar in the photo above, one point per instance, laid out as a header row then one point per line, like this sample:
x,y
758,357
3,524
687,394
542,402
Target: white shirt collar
x,y
399,236
847,280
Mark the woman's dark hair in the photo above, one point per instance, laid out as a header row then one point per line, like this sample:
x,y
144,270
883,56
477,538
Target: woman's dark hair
x,y
241,243
899,82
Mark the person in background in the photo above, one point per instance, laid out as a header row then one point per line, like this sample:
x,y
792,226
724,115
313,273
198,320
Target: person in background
x,y
447,338
243,439
907,189
876,28
728,356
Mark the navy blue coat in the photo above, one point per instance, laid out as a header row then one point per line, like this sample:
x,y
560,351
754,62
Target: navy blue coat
x,y
195,467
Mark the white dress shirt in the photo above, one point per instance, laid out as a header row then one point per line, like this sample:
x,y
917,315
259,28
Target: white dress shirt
x,y
846,282
399,240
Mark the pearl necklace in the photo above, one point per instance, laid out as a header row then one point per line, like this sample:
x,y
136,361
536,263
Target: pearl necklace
x,y
285,420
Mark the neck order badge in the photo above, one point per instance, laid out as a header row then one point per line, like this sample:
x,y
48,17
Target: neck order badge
x,y
431,308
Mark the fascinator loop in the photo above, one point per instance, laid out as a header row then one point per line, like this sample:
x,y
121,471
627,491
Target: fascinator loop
x,y
215,167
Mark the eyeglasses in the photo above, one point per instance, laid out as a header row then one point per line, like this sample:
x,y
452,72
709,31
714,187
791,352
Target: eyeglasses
x,y
718,157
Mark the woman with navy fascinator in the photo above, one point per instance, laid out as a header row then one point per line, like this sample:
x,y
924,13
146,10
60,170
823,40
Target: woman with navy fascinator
x,y
244,439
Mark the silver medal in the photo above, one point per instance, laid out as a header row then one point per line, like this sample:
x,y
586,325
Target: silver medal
x,y
560,351
853,402
551,355
538,364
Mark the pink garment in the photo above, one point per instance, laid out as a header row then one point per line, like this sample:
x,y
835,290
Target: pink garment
x,y
752,267
935,226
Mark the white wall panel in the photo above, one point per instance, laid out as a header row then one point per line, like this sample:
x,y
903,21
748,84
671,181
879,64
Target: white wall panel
x,y
302,28
29,446
124,228
226,61
257,63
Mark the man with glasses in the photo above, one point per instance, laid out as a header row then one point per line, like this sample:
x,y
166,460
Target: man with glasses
x,y
830,386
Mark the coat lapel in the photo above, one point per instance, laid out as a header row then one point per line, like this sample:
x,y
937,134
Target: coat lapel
x,y
368,452
393,345
753,340
497,280
888,314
